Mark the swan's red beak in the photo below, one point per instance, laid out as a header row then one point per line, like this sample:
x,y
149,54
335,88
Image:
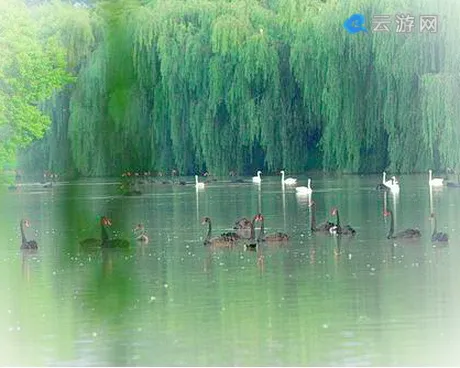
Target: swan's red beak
x,y
26,223
312,203
334,211
386,213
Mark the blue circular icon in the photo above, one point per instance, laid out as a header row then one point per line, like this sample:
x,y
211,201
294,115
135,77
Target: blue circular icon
x,y
355,24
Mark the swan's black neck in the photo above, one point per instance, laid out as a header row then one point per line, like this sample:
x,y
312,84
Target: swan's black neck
x,y
23,235
262,230
338,219
253,232
208,236
140,230
435,230
104,234
392,225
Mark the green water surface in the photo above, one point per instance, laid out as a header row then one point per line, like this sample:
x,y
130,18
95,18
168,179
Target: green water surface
x,y
318,300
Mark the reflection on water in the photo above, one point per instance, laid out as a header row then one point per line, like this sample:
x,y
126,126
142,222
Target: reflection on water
x,y
319,300
284,207
259,198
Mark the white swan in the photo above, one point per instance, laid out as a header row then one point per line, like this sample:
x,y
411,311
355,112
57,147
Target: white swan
x,y
288,181
389,183
257,179
333,230
394,185
198,184
305,190
435,182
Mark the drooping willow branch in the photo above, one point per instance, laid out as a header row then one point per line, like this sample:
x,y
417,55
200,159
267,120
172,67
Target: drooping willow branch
x,y
242,85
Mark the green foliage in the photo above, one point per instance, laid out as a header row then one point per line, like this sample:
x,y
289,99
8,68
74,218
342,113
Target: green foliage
x,y
244,85
31,69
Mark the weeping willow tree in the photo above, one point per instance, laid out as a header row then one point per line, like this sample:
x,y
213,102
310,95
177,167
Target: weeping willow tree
x,y
439,90
368,93
244,85
76,31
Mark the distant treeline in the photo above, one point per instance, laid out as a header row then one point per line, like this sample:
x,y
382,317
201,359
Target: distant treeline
x,y
238,86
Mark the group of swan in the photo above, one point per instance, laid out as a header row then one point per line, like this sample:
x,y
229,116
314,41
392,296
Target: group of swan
x,y
393,184
257,180
230,237
289,181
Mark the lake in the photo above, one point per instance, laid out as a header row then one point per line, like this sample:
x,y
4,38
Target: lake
x,y
317,300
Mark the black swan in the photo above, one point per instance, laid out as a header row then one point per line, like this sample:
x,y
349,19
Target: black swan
x,y
105,241
251,243
275,237
115,242
222,240
231,235
27,244
438,236
323,227
338,229
243,228
93,242
140,233
405,234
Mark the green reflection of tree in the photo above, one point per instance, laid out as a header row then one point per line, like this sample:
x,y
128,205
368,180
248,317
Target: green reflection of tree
x,y
36,321
108,297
